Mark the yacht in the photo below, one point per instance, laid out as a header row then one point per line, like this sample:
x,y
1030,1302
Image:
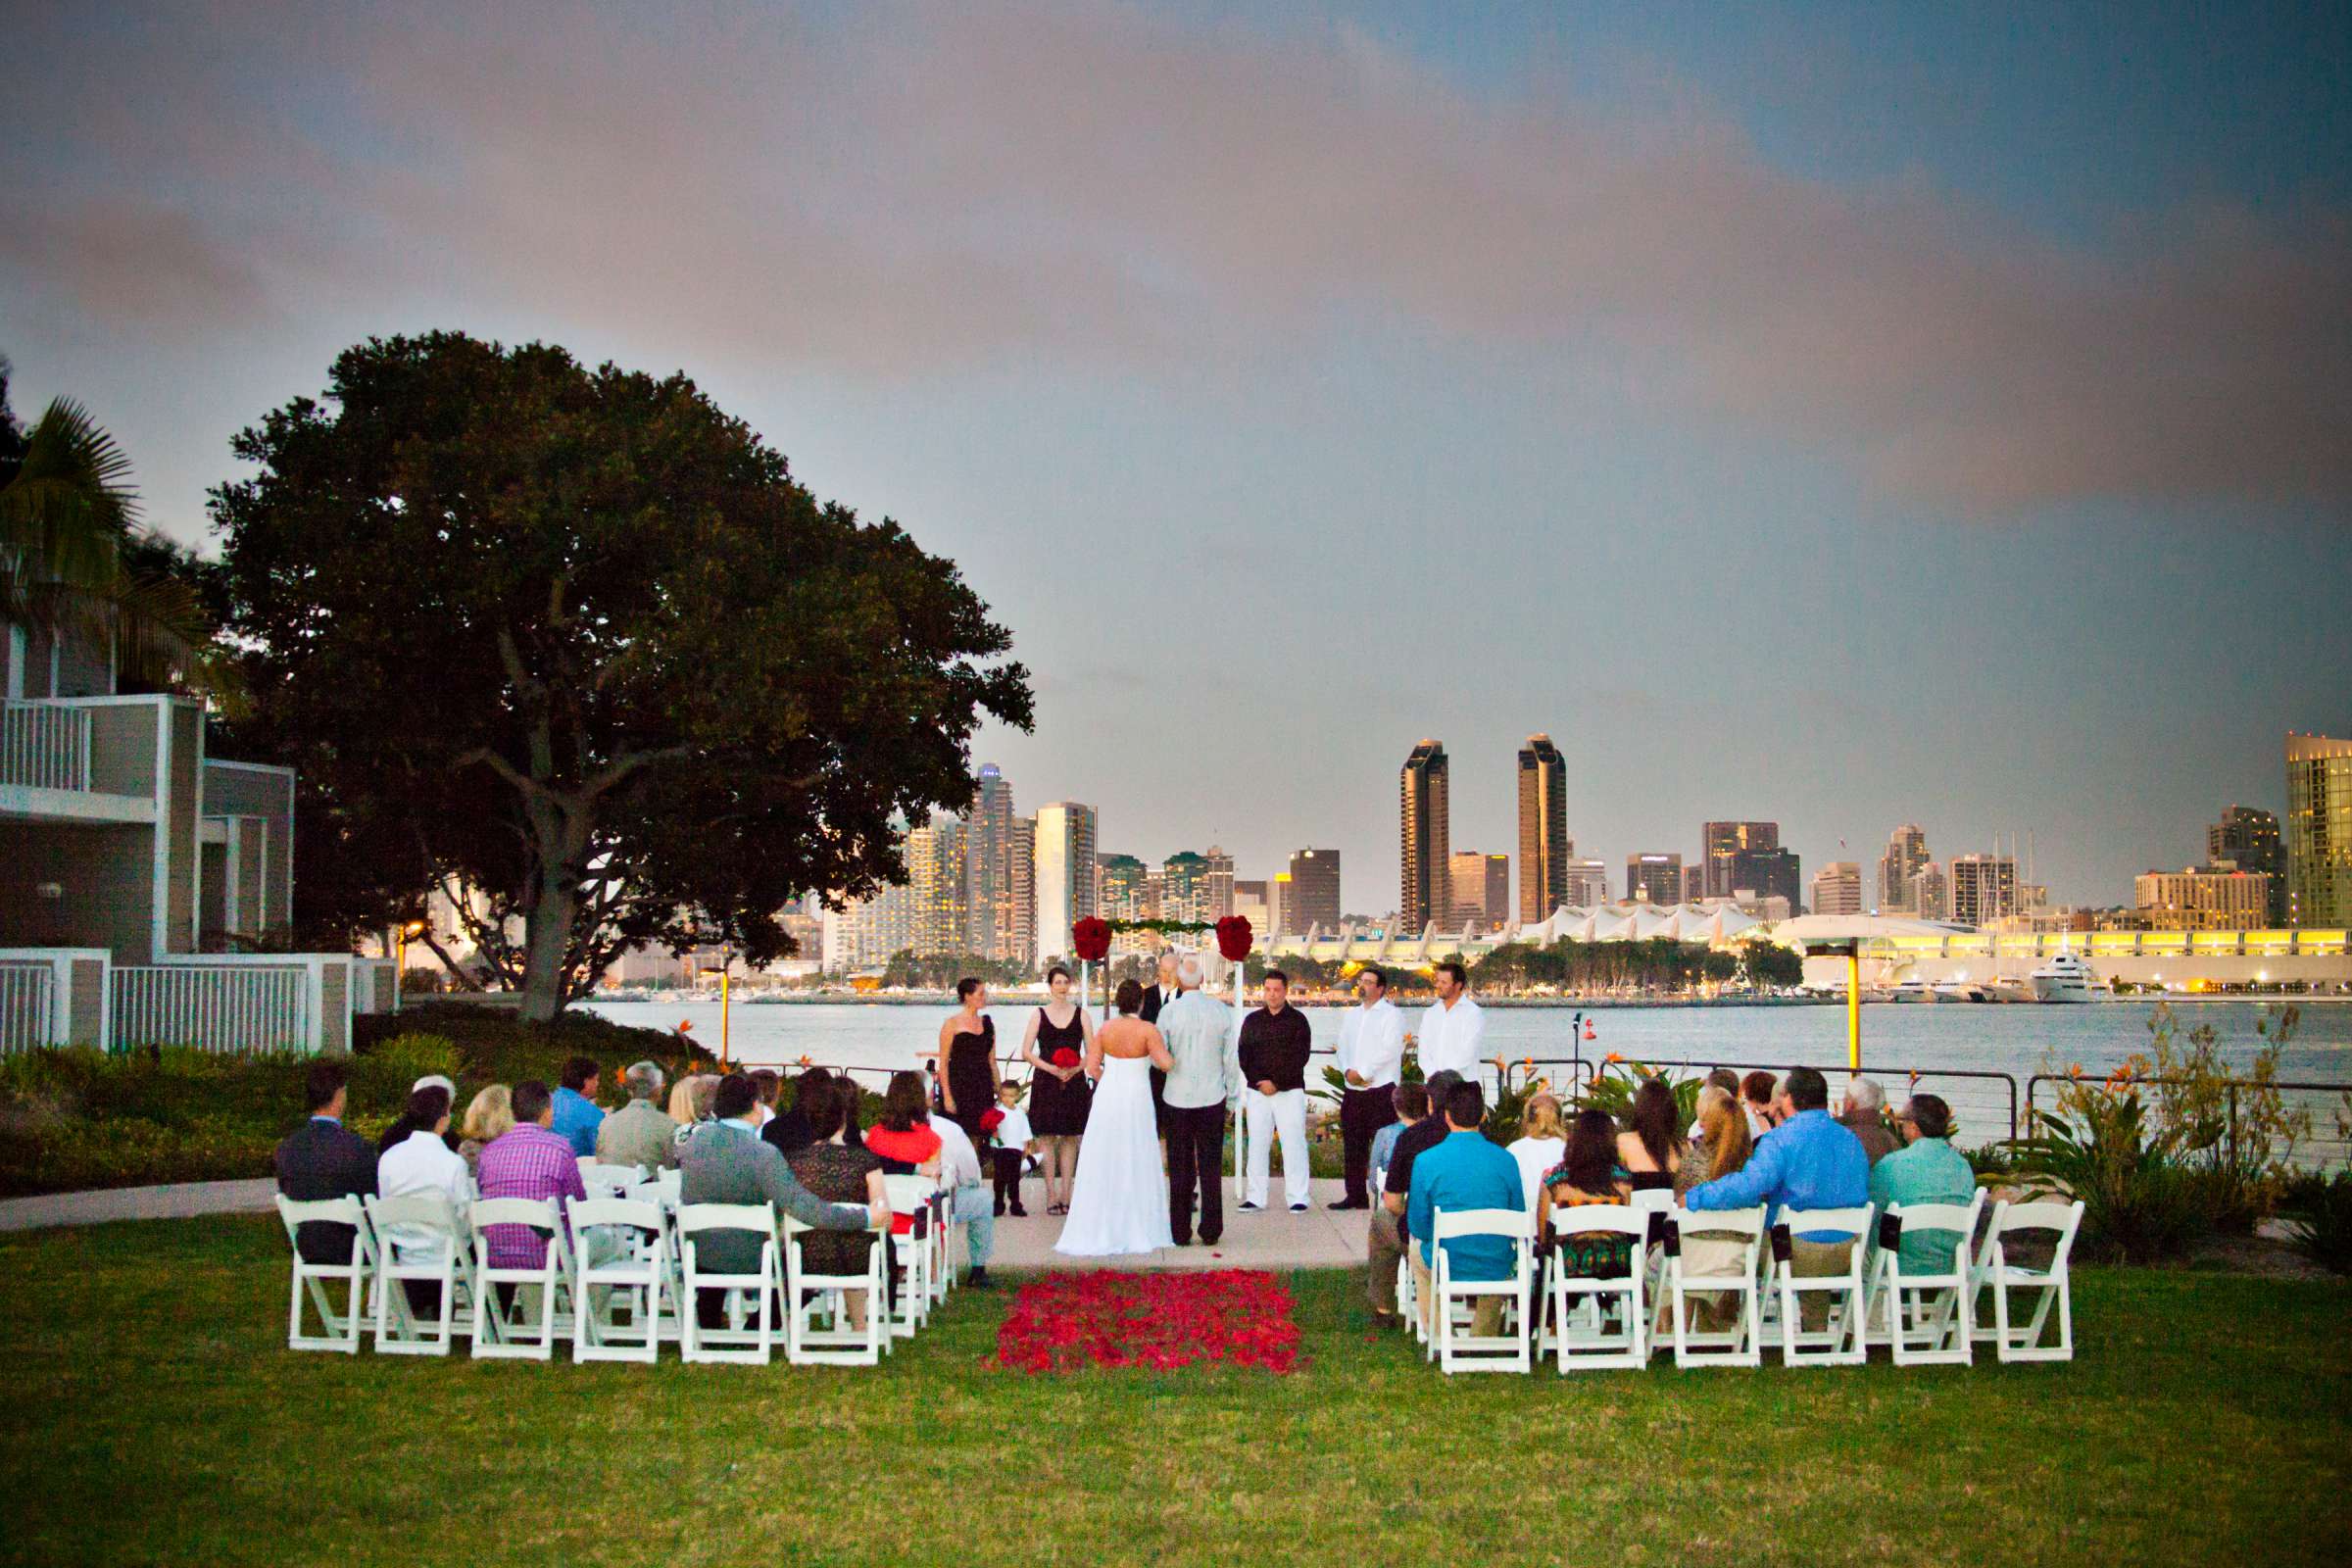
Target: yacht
x,y
2065,978
1961,991
1914,990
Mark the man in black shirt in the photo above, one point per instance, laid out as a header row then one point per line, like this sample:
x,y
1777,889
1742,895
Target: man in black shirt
x,y
1385,1246
1276,1043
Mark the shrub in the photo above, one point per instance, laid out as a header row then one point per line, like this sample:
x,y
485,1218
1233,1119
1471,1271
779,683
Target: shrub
x,y
2140,1204
2322,1229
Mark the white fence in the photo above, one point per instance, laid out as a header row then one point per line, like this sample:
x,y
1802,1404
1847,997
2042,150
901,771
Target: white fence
x,y
44,746
27,1006
233,1009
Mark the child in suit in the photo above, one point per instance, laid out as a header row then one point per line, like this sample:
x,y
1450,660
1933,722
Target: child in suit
x,y
1010,1155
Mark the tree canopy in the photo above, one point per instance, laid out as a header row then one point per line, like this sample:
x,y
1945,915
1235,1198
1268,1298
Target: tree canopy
x,y
574,646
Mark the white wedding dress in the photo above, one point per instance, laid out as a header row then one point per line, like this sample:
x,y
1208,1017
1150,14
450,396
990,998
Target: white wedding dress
x,y
1119,1200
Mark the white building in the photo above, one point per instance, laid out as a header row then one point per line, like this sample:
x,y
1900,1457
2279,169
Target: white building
x,y
1066,835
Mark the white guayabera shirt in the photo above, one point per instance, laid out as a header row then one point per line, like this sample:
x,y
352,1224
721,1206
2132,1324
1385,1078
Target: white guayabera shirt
x,y
1452,1038
1372,1044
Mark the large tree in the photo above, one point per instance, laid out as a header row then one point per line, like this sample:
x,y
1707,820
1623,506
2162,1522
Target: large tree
x,y
573,645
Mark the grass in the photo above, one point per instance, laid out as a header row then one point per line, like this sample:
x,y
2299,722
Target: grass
x,y
155,1416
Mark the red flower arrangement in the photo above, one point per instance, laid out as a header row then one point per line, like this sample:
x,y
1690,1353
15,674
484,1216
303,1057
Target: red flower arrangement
x,y
1233,937
1090,939
991,1120
1162,1322
1064,1057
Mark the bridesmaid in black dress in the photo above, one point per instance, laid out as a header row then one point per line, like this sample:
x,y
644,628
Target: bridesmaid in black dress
x,y
967,1060
1059,1094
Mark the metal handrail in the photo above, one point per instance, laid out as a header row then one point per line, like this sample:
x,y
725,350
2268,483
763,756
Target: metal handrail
x,y
1831,1070
2230,1085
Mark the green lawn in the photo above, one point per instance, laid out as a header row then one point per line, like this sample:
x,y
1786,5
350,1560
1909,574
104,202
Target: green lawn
x,y
153,1416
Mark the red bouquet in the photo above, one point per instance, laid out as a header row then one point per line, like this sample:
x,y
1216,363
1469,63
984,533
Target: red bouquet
x,y
1065,1057
1090,939
1234,938
991,1120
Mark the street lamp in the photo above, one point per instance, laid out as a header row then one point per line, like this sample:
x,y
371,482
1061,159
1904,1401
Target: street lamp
x,y
726,961
399,954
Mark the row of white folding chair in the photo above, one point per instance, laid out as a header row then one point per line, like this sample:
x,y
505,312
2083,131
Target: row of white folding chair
x,y
1453,1340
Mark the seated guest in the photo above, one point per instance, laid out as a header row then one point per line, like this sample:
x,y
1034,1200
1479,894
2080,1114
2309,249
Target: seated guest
x,y
401,1126
1763,1100
1865,1116
322,1158
1722,1078
421,1163
724,1162
1385,1240
1541,1143
577,1111
1411,1102
1463,1171
970,1199
1723,1146
788,1132
902,1141
487,1118
1650,1148
834,1168
765,1082
1927,1169
691,1104
640,1133
1808,1161
528,1160
1587,1174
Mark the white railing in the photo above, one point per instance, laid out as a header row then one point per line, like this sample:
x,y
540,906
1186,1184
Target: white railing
x,y
44,746
232,1008
27,1006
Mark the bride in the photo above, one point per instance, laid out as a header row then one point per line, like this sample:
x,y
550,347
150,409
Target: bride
x,y
1119,1202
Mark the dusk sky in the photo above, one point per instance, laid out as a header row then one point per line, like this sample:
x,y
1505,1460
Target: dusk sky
x,y
1834,414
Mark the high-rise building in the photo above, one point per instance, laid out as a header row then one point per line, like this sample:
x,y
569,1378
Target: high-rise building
x,y
1657,878
868,932
1184,888
1423,788
1310,898
1694,883
1929,895
1772,874
1721,844
1253,900
991,897
2247,837
1020,935
1906,852
1587,883
1544,846
1066,875
1481,890
935,873
1984,887
2206,898
1838,888
2318,830
1122,879
1219,892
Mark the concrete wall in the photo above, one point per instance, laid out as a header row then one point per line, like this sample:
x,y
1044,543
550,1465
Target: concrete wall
x,y
122,741
107,871
267,795
184,801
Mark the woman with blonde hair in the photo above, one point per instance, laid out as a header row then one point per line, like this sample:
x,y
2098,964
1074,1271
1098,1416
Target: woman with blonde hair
x,y
690,1103
1723,1148
1542,1142
489,1114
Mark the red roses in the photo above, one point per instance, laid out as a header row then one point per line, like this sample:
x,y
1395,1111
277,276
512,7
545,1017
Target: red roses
x,y
1234,938
1065,1057
1090,939
1065,1322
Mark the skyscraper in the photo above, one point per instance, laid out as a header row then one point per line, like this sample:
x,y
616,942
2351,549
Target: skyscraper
x,y
1984,887
1481,890
2318,830
1311,899
1588,883
1425,828
1656,877
1838,888
1184,887
1720,844
1906,852
1123,879
1066,873
2249,838
1767,873
1219,892
1930,893
1019,937
1544,846
934,871
991,898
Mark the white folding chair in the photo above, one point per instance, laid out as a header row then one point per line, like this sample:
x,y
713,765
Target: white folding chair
x,y
1461,1349
1741,1346
1924,1318
2050,1286
608,1181
810,1296
502,1329
625,1263
1646,1202
1839,1342
419,1236
1581,1308
753,1344
910,1255
340,1329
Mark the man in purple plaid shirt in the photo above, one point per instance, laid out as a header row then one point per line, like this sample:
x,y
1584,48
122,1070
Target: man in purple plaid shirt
x,y
528,1160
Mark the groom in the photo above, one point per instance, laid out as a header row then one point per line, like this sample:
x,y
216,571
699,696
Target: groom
x,y
1204,1084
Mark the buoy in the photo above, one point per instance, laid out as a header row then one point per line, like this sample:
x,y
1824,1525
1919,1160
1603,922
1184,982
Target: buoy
x,y
1588,1034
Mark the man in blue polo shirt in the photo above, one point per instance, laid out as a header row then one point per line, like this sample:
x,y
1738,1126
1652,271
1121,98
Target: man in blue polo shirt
x,y
577,1114
1808,1161
1463,1171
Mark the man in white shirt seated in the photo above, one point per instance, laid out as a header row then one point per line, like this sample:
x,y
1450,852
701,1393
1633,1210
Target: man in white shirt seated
x,y
1453,1028
1371,1056
423,1162
970,1199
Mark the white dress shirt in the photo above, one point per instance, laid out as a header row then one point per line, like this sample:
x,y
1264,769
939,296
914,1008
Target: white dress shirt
x,y
958,1160
1372,1044
1451,1038
422,1163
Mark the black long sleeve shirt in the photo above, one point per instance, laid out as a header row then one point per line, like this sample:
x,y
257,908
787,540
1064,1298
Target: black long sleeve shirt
x,y
1276,1046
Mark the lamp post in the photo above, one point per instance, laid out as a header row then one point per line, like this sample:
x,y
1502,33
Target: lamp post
x,y
400,955
726,961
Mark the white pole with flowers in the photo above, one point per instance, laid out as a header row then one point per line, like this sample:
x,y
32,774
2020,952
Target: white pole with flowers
x,y
1234,941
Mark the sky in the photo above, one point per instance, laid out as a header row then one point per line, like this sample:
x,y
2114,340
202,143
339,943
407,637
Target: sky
x,y
1846,415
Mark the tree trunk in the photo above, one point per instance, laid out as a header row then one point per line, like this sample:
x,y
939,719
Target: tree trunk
x,y
561,827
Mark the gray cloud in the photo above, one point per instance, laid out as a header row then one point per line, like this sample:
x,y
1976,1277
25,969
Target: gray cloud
x,y
925,189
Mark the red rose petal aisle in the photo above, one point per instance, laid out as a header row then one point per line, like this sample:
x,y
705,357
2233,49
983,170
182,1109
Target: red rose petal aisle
x,y
1066,1322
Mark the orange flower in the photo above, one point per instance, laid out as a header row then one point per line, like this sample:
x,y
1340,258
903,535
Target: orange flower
x,y
1612,1057
803,1061
1528,1063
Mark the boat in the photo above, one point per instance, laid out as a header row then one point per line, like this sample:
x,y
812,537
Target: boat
x,y
1913,990
2065,978
1961,991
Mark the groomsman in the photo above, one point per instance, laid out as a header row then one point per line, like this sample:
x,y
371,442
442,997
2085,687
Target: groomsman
x,y
1276,1043
1371,1055
1454,1029
1204,1085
